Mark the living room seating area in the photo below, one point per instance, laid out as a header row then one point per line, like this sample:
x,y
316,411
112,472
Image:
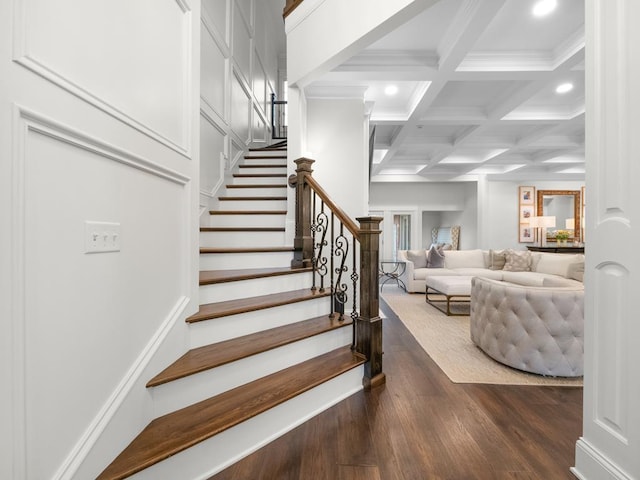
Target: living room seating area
x,y
526,308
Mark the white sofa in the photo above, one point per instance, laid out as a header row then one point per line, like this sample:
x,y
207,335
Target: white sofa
x,y
537,329
476,263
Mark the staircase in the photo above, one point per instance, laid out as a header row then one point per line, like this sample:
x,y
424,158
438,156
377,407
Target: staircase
x,y
265,355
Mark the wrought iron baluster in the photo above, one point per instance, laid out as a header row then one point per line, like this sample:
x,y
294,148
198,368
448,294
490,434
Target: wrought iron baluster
x,y
320,259
354,280
314,230
333,291
341,250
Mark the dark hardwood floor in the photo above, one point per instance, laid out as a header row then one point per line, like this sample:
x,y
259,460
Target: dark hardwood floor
x,y
421,426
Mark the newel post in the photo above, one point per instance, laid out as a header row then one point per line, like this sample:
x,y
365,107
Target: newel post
x,y
369,323
303,241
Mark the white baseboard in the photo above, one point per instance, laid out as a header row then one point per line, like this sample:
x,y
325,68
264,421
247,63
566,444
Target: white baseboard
x,y
592,464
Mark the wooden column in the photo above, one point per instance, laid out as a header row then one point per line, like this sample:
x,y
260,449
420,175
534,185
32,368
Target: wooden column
x,y
369,323
303,241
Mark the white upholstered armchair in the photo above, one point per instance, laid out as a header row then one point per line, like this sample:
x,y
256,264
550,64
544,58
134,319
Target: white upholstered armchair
x,y
531,328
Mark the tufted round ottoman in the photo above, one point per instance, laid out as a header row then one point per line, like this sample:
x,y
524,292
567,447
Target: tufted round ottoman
x,y
534,329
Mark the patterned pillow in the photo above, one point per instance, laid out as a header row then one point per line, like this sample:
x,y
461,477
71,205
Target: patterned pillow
x,y
435,257
418,257
497,259
517,260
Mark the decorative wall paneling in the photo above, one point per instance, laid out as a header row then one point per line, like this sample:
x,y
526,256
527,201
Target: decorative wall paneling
x,y
215,62
213,155
259,127
237,152
610,442
242,34
246,8
218,14
46,41
240,108
237,79
259,82
59,284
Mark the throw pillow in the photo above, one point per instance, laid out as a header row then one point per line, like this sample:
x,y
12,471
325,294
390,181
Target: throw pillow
x,y
517,260
497,259
576,271
435,257
418,257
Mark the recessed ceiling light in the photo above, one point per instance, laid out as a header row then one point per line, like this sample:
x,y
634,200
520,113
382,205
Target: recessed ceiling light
x,y
544,7
564,88
391,90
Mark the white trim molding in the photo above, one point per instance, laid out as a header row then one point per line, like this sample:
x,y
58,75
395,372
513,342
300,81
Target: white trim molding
x,y
22,57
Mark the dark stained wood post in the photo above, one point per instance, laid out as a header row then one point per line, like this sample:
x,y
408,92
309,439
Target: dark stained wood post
x,y
303,241
369,323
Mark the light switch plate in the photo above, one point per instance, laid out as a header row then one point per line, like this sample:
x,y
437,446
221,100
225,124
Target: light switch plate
x,y
101,237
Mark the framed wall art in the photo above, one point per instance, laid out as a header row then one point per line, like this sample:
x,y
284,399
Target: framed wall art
x,y
527,195
526,210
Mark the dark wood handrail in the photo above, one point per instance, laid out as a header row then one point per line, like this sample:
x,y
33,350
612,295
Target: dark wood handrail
x,y
290,6
342,216
310,221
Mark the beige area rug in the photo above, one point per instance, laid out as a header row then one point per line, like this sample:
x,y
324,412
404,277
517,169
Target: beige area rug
x,y
447,341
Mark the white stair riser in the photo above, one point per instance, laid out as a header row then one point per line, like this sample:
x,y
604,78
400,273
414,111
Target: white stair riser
x,y
250,169
232,326
230,261
227,205
257,192
217,453
242,239
247,220
221,292
194,388
265,161
257,180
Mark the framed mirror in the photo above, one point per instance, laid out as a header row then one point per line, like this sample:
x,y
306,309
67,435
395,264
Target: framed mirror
x,y
566,206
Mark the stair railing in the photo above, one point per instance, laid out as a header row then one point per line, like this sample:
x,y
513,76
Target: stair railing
x,y
344,257
278,118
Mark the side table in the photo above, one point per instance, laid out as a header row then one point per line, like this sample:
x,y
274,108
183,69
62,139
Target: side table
x,y
392,270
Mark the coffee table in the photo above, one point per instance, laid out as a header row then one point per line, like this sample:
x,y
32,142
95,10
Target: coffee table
x,y
455,288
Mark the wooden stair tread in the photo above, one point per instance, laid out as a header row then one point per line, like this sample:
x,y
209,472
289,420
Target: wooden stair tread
x,y
248,212
248,199
172,433
209,311
211,356
210,277
214,250
242,229
263,157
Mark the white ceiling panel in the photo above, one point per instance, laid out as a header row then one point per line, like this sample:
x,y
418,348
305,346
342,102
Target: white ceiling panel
x,y
476,93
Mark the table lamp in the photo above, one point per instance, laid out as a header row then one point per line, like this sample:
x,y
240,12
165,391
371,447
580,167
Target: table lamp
x,y
541,224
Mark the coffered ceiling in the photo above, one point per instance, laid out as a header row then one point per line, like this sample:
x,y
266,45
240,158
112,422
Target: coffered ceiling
x,y
476,92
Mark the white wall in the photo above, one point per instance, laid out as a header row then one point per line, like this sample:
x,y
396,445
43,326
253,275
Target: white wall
x,y
463,203
501,211
432,204
98,122
241,41
336,138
